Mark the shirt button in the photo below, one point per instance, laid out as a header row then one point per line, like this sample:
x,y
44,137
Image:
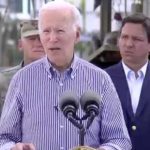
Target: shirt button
x,y
49,76
133,128
61,84
61,126
72,76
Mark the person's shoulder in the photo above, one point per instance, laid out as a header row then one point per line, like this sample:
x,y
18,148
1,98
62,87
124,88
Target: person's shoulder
x,y
92,70
6,76
11,69
89,66
9,72
2,77
98,75
35,64
113,67
31,67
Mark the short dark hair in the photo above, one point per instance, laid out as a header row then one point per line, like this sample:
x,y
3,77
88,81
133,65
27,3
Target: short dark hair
x,y
138,18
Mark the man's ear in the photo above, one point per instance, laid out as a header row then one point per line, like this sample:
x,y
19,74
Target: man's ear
x,y
78,33
149,47
19,45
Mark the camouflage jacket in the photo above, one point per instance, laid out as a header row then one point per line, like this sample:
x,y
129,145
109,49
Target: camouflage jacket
x,y
5,78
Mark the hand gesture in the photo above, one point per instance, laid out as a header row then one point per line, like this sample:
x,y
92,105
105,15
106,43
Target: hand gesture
x,y
83,148
23,146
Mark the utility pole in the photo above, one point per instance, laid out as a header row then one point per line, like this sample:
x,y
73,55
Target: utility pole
x,y
105,18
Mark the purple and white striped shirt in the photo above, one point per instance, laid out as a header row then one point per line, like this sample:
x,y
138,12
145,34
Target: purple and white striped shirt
x,y
30,115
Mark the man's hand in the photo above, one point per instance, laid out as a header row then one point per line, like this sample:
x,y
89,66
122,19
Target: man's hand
x,y
23,146
86,148
83,148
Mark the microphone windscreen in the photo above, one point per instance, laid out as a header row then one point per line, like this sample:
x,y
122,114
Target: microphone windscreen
x,y
68,98
89,98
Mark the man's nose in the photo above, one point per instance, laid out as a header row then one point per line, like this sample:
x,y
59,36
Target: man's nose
x,y
129,42
37,38
53,36
38,41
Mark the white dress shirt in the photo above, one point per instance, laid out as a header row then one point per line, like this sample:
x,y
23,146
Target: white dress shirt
x,y
135,82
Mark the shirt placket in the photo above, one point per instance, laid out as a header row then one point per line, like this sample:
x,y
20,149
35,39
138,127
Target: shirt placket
x,y
62,134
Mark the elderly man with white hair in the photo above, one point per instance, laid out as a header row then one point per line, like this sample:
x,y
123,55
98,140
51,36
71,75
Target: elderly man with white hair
x,y
31,119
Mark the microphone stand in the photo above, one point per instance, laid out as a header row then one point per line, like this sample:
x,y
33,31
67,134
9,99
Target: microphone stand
x,y
77,122
82,130
81,134
79,125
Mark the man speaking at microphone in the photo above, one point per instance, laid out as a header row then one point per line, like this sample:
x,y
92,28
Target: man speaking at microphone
x,y
30,120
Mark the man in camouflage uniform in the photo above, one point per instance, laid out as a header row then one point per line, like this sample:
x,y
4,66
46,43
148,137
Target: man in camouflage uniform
x,y
30,45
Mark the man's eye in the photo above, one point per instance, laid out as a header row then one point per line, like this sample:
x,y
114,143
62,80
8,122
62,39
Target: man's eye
x,y
46,31
32,38
60,31
138,39
124,37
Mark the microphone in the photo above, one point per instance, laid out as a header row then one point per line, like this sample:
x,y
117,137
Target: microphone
x,y
90,102
69,105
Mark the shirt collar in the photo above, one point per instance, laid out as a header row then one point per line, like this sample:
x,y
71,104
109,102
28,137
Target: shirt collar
x,y
127,70
71,70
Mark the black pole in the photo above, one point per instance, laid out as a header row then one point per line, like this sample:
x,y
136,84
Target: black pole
x,y
80,126
105,18
81,134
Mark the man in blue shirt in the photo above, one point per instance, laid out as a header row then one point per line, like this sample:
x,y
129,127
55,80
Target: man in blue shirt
x,y
30,119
